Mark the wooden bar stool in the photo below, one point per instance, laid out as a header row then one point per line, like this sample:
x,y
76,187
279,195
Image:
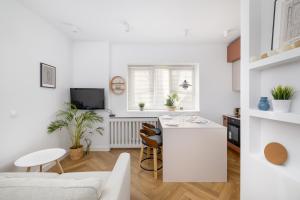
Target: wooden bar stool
x,y
151,142
151,127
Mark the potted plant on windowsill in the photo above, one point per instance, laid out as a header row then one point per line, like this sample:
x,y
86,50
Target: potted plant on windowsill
x,y
78,124
171,101
282,98
141,106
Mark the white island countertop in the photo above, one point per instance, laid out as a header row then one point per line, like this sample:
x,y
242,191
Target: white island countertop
x,y
167,122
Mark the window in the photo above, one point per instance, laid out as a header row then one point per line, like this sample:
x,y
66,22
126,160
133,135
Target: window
x,y
152,84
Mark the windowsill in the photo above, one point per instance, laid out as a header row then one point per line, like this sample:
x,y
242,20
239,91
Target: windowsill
x,y
162,111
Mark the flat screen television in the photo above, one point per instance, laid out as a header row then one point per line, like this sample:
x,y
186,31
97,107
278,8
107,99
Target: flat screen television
x,y
88,98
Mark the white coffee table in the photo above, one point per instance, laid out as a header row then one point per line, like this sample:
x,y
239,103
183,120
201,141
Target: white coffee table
x,y
39,158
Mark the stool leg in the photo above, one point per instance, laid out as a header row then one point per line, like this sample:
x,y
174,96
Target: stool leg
x,y
148,152
141,155
155,162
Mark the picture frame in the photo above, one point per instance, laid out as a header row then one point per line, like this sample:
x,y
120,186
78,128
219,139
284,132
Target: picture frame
x,y
47,76
286,23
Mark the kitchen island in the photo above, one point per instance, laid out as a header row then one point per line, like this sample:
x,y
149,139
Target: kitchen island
x,y
194,149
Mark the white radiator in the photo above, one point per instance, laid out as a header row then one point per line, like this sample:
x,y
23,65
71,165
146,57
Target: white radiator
x,y
124,132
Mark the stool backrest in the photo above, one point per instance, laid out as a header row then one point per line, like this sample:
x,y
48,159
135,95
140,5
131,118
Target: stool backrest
x,y
148,141
148,131
148,125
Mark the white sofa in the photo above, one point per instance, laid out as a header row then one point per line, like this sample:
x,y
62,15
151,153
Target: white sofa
x,y
114,185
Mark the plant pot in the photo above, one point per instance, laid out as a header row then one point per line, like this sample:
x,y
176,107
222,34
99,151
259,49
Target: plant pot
x,y
171,108
141,108
76,154
281,105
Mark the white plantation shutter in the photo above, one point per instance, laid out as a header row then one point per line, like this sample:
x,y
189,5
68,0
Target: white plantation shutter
x,y
152,85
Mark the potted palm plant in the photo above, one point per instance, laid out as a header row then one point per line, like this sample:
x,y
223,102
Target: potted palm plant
x,y
171,101
282,98
78,124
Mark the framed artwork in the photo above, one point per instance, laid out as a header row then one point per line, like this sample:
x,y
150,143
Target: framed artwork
x,y
286,23
47,76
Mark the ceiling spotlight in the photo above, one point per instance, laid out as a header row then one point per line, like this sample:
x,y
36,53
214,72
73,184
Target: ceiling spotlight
x,y
229,32
74,29
126,26
186,32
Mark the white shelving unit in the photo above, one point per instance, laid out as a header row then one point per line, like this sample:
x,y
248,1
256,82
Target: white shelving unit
x,y
276,60
282,117
261,179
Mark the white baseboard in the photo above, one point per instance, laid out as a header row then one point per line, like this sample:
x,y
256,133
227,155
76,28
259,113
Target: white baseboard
x,y
100,148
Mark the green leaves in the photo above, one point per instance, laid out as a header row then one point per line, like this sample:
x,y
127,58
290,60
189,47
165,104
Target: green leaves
x,y
55,125
171,100
78,123
283,92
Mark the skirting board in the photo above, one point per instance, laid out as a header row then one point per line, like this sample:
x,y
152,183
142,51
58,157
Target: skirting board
x,y
100,148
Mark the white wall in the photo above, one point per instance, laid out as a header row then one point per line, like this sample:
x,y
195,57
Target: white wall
x,y
216,95
91,70
96,62
26,40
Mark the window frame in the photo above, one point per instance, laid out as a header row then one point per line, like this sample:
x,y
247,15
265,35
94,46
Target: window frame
x,y
195,85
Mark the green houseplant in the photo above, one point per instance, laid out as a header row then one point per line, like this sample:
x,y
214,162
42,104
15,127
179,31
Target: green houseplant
x,y
78,124
282,98
171,101
141,105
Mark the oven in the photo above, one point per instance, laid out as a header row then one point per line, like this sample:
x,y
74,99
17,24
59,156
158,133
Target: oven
x,y
233,131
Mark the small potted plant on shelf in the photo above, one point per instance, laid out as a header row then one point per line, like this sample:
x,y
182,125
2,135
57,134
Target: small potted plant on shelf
x,y
282,98
141,106
78,124
171,101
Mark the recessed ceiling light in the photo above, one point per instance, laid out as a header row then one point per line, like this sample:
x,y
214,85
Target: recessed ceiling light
x,y
126,25
74,29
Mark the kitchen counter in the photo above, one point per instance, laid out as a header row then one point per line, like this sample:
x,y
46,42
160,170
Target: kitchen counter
x,y
194,150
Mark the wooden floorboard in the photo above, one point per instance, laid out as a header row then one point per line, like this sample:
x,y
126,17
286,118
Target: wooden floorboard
x,y
144,187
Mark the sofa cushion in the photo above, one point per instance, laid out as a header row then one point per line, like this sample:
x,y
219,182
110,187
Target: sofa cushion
x,y
50,188
103,176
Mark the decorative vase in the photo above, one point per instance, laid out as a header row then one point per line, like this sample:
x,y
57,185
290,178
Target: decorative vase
x,y
76,154
171,108
264,104
281,105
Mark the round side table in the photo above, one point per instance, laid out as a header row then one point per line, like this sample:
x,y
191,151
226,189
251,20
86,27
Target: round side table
x,y
39,158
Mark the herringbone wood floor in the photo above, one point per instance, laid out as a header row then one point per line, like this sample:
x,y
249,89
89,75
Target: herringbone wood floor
x,y
144,187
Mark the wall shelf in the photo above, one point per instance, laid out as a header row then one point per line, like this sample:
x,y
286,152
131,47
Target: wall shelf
x,y
276,60
283,117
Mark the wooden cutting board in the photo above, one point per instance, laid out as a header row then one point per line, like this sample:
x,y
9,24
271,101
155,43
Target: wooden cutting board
x,y
276,153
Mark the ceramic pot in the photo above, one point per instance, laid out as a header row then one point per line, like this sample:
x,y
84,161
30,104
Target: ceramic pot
x,y
281,105
76,154
141,108
263,104
171,108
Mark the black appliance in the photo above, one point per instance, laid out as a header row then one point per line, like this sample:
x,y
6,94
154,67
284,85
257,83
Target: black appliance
x,y
88,98
234,131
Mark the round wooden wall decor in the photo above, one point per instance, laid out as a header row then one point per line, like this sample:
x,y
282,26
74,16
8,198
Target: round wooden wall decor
x,y
276,153
117,85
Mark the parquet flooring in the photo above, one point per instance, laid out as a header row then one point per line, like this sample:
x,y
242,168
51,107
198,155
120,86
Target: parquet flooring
x,y
144,187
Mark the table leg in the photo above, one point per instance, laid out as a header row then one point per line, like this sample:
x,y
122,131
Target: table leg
x,y
59,166
41,168
28,169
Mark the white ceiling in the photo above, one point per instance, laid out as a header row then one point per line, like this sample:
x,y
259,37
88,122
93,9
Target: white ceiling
x,y
149,20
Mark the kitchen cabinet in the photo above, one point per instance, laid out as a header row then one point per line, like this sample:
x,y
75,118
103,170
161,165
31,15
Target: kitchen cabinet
x,y
234,51
236,76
